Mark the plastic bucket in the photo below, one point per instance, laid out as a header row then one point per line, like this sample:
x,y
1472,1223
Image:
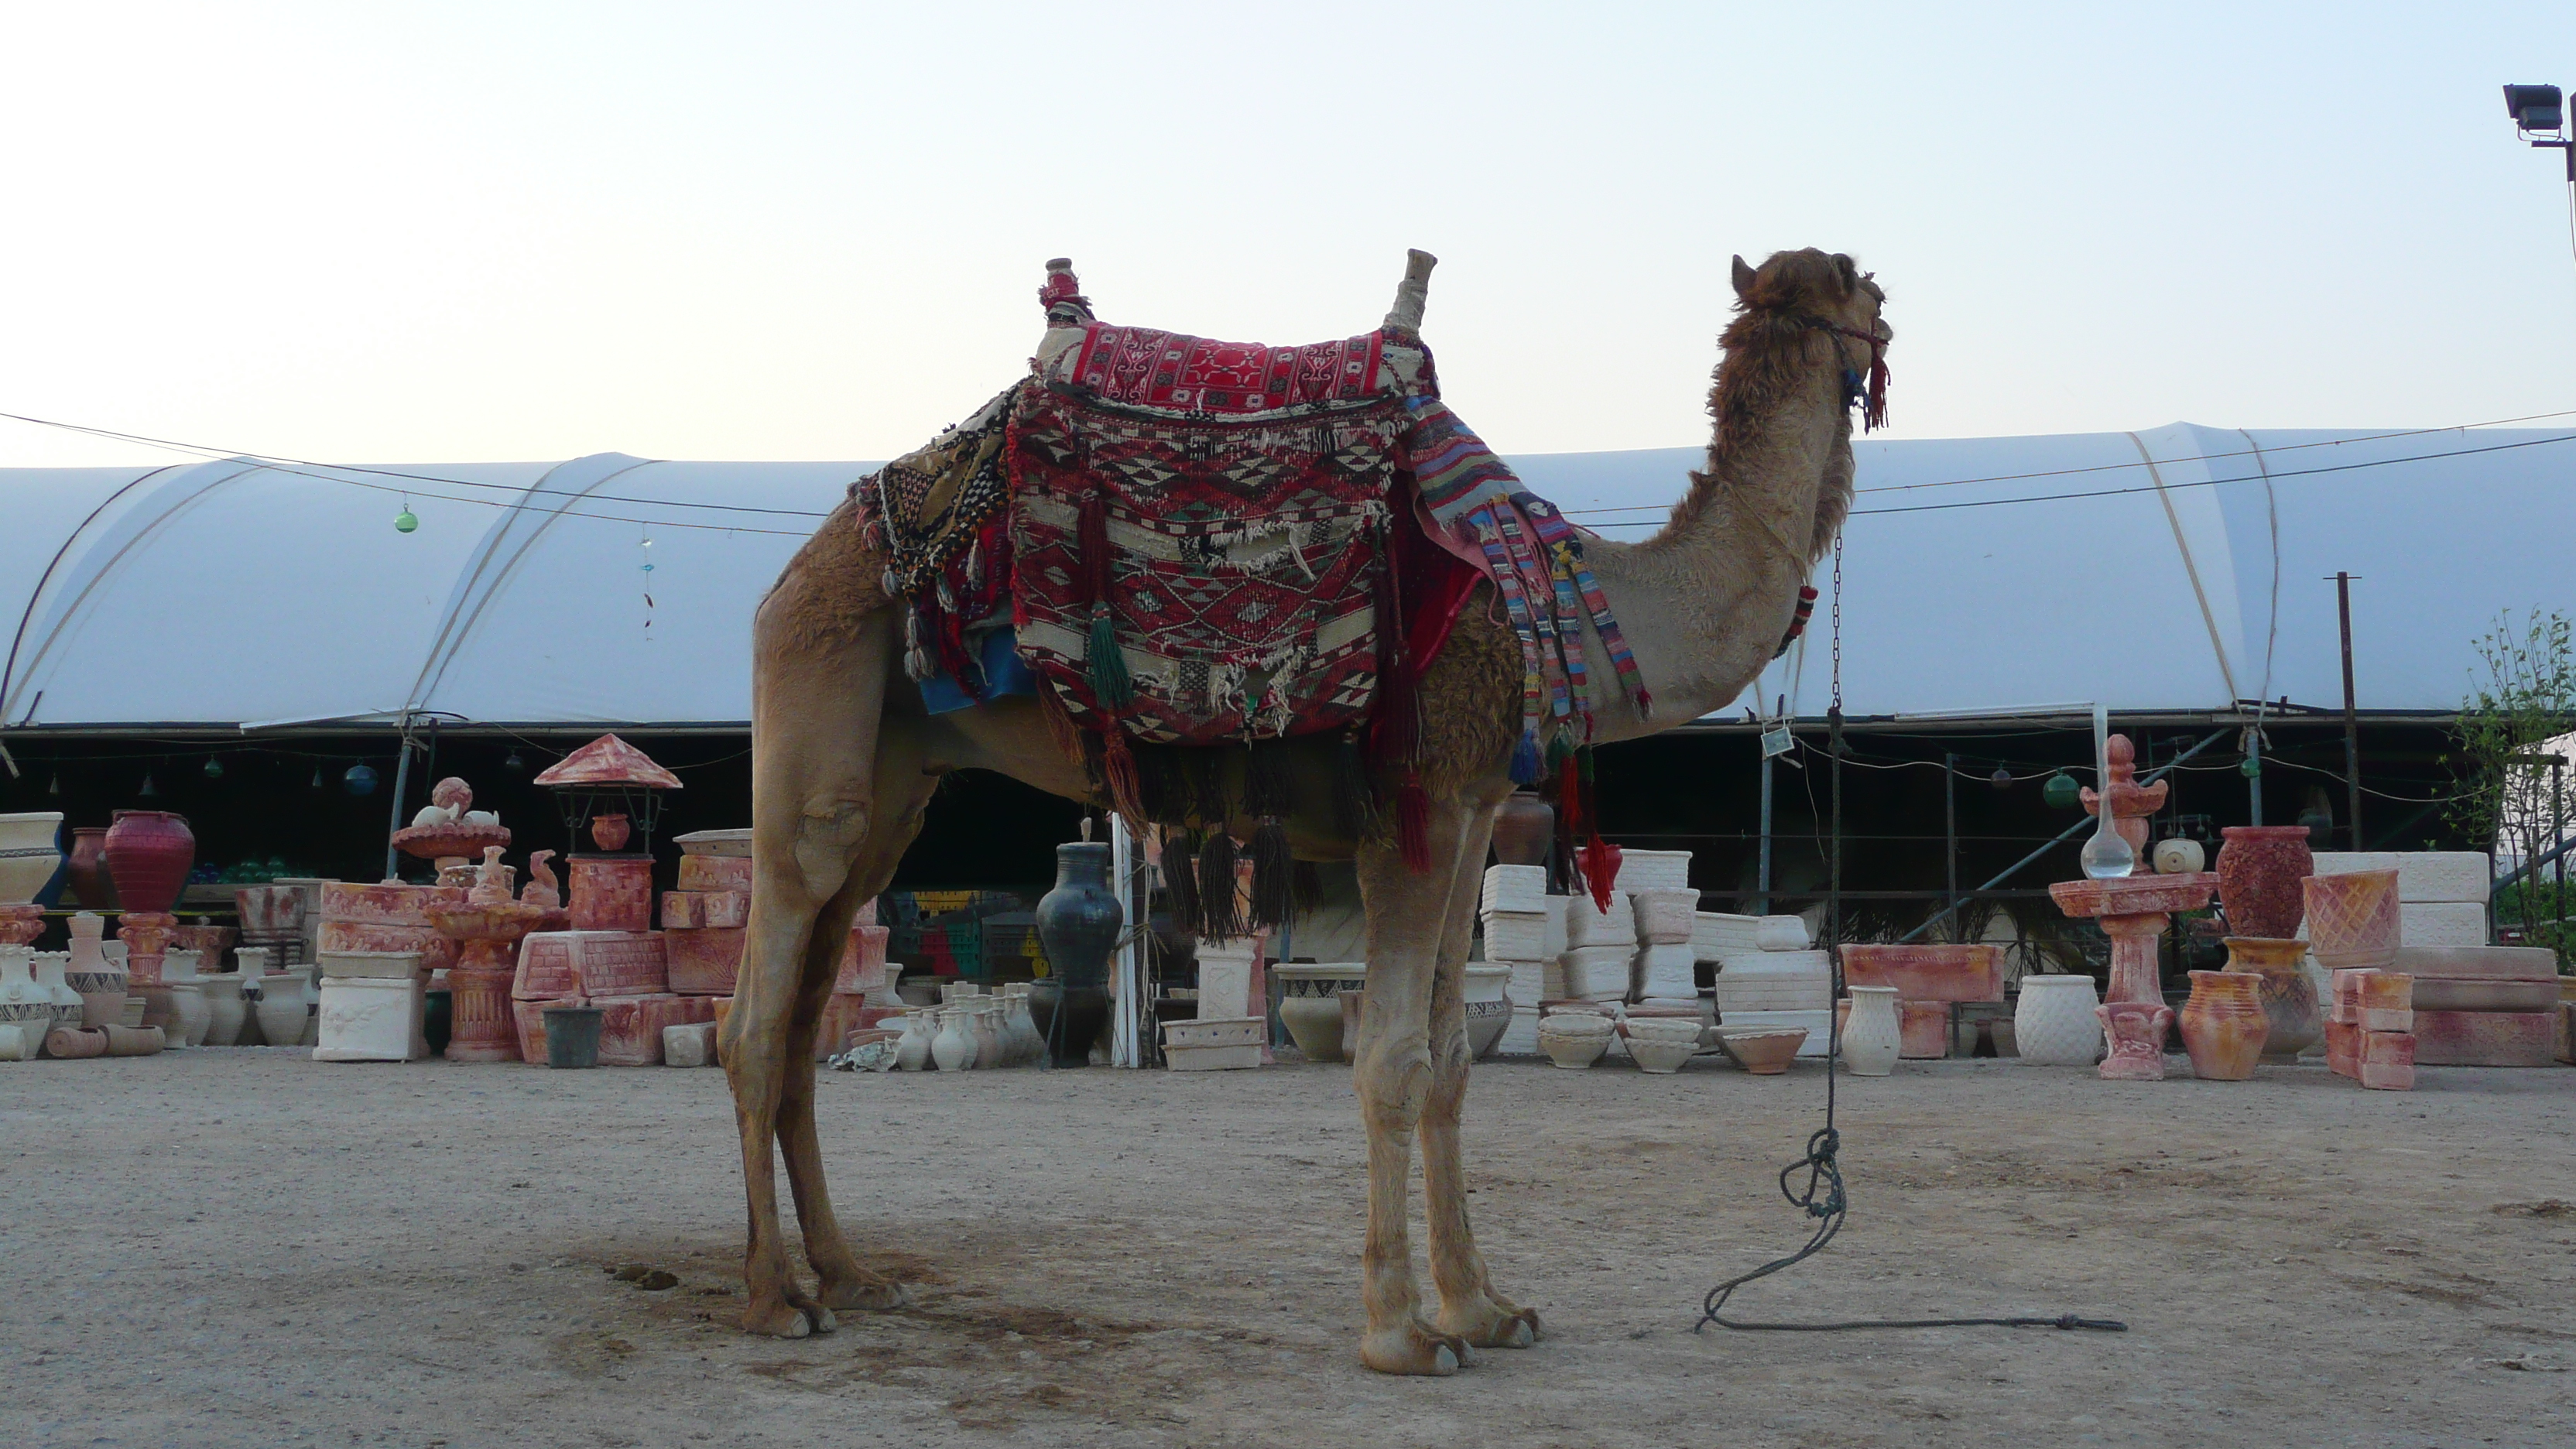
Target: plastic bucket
x,y
572,1036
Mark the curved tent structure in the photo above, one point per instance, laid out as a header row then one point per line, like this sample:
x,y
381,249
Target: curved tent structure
x,y
2181,568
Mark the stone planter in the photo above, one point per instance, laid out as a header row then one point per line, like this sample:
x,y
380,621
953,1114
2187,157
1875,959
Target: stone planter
x,y
1872,1036
1574,1041
1928,972
1763,1051
2054,1024
2259,870
2352,919
1662,1044
149,852
1310,1008
28,854
2289,996
2223,1025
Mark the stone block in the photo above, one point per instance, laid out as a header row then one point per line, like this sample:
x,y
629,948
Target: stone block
x,y
689,1043
2481,962
436,952
701,910
1597,973
1923,1030
1213,1045
2343,1047
391,965
1648,870
1225,989
1534,981
703,962
2443,875
1714,934
1927,972
1666,968
1516,935
1520,1039
2483,1038
2442,923
370,1019
715,873
611,892
545,968
2444,993
2343,999
391,904
1586,926
530,1017
1521,889
630,1027
621,963
2345,862
2387,1061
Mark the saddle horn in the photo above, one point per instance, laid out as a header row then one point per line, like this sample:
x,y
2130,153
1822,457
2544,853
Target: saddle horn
x,y
1412,292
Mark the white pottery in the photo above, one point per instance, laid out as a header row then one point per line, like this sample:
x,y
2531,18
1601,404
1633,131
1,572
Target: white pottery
x,y
1781,933
985,1022
1574,1040
2179,856
1662,1044
28,855
367,1019
1310,1005
1870,1035
312,991
954,1047
1488,1007
1023,1022
23,1000
180,965
1665,915
912,1049
189,1013
281,1008
49,968
1585,926
225,1008
2054,1024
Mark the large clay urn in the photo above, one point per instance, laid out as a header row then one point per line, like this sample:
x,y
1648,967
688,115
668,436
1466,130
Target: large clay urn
x,y
1078,924
88,869
2259,870
2223,1025
149,852
2289,997
28,857
1523,829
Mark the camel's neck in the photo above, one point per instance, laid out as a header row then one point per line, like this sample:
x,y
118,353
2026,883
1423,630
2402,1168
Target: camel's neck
x,y
1705,602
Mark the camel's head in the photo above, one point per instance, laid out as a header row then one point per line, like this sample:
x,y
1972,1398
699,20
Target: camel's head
x,y
1827,286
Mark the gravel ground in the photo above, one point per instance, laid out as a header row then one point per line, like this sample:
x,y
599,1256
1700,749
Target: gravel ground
x,y
245,1247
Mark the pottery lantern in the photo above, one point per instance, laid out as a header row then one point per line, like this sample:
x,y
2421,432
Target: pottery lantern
x,y
609,778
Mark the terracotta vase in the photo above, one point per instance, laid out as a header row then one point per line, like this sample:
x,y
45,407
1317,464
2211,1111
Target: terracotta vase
x,y
2352,919
2259,870
2223,1025
610,832
149,852
2054,1023
2289,996
88,868
1523,829
1872,1036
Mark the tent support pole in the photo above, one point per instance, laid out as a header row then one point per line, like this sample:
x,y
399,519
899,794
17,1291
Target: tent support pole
x,y
1762,878
402,783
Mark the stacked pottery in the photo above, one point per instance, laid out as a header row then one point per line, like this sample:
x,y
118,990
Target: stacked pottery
x,y
2261,875
100,981
1574,1039
1661,1043
2054,1024
2223,1025
1872,1036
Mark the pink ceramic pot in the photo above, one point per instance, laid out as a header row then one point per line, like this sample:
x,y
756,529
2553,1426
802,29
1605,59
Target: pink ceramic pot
x,y
2352,919
2289,997
149,852
609,832
88,868
2259,870
2223,1025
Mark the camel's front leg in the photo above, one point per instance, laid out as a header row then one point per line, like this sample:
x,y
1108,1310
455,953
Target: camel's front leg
x,y
1469,1306
1391,1071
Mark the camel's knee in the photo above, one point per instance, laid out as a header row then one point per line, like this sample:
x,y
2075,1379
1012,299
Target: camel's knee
x,y
1394,1089
828,835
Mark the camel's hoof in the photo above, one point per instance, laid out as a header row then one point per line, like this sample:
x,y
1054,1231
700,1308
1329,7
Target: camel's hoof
x,y
777,1320
872,1296
1496,1327
1416,1349
818,1316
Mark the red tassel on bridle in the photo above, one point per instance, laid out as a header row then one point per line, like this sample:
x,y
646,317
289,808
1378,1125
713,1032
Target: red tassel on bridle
x,y
1872,395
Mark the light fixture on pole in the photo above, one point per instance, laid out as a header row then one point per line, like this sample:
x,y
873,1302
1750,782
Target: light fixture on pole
x,y
2540,117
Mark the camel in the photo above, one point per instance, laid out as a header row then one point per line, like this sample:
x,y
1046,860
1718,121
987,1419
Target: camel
x,y
845,760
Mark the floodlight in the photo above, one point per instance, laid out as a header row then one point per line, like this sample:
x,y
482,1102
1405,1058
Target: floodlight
x,y
2535,108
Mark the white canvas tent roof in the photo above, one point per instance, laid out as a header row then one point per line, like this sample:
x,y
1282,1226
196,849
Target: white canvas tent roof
x,y
238,593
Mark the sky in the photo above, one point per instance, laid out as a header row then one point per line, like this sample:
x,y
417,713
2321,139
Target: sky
x,y
368,233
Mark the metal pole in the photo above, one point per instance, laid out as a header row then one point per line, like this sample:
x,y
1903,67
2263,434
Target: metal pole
x,y
2254,781
1123,1050
2351,713
1950,827
2558,831
1762,898
402,783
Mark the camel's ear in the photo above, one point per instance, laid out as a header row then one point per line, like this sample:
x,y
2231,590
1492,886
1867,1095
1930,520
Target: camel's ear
x,y
1847,273
1743,280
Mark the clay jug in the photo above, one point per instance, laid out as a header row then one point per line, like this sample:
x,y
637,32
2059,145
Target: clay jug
x,y
985,1024
2289,995
609,832
225,1008
954,1047
912,1049
2054,1024
1872,1035
281,1008
100,980
1524,828
1024,1032
88,869
189,1013
1079,921
23,1002
149,852
2259,870
2223,1025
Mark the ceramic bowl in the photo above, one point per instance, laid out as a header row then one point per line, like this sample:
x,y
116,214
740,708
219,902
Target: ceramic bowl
x,y
1573,1047
1764,1051
1661,1056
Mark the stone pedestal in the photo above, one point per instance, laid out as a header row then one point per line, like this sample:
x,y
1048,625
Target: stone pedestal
x,y
147,936
482,1029
2133,912
372,1019
21,925
611,893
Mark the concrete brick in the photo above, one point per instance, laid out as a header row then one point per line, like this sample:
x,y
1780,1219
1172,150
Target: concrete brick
x,y
689,1044
2483,1038
2343,1048
715,872
2491,963
2387,1062
703,962
2443,875
2442,923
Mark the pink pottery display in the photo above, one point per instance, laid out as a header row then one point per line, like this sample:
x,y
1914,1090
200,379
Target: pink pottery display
x,y
2352,918
2289,997
2259,870
88,866
1929,972
149,852
2223,1025
610,832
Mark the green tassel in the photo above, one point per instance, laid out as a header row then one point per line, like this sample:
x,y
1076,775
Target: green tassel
x,y
1109,681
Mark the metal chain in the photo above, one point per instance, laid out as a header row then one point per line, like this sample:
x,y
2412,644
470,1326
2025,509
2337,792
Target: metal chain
x,y
1822,1197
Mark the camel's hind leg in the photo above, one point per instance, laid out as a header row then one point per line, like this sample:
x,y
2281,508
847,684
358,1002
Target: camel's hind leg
x,y
1392,1072
816,719
1469,1306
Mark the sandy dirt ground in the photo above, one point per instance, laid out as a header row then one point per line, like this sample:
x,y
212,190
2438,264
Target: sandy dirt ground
x,y
244,1247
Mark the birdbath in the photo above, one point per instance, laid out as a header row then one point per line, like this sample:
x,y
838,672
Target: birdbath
x,y
444,833
2133,912
486,930
2131,803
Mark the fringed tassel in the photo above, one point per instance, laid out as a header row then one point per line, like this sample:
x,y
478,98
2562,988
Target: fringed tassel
x,y
1600,870
1218,919
1078,744
1269,786
1207,788
1162,783
1272,869
1306,886
1107,663
1525,761
1873,413
1350,787
1118,771
1181,878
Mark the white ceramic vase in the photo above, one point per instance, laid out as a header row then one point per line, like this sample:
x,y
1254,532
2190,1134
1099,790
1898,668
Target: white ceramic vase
x,y
24,1003
2054,1024
225,1009
281,1008
954,1047
1024,1026
1870,1035
190,1014
28,854
1488,1007
49,969
985,1020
